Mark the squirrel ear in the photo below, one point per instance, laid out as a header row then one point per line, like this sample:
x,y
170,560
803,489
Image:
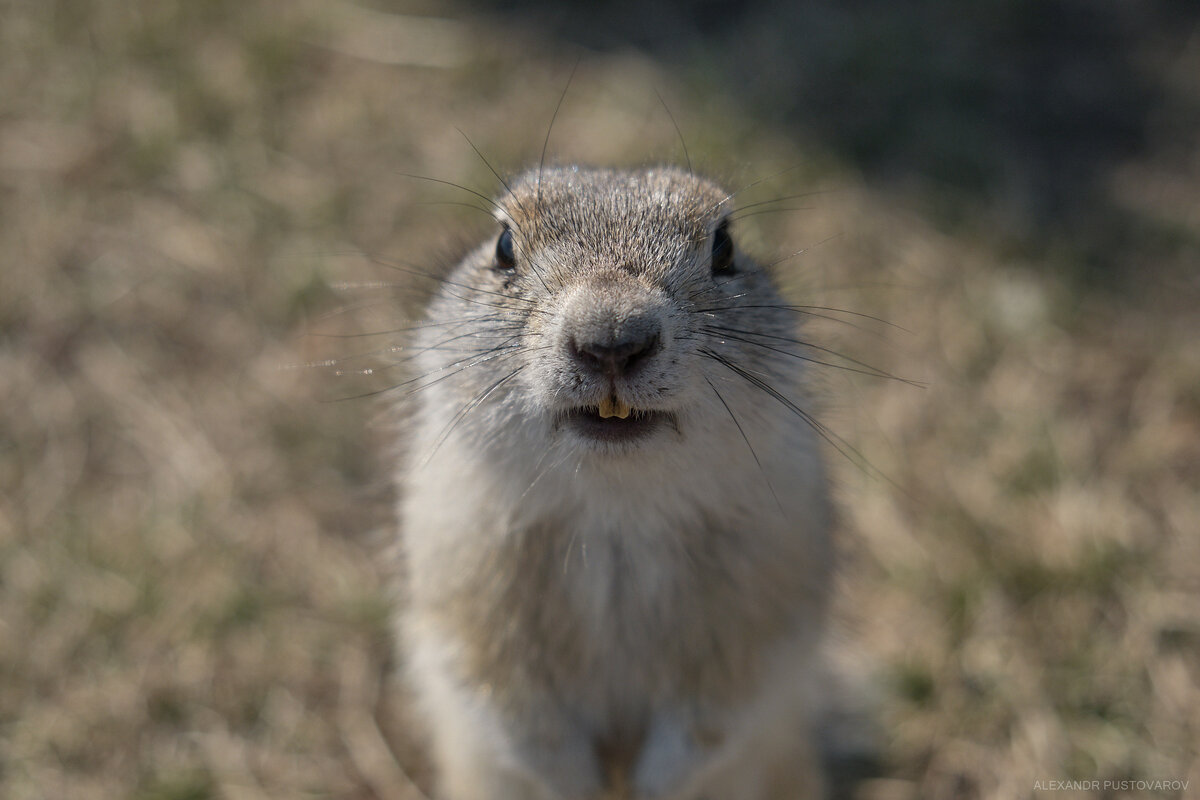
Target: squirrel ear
x,y
722,249
506,258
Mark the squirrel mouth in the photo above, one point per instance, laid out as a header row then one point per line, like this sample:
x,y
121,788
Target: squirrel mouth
x,y
613,421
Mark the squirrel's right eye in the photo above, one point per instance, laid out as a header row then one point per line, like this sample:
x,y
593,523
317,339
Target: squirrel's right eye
x,y
505,257
722,249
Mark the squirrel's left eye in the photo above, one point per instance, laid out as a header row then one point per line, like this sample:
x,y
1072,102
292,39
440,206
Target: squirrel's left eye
x,y
506,258
722,251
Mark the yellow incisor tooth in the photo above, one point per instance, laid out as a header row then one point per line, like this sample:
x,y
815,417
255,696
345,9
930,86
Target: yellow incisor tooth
x,y
612,407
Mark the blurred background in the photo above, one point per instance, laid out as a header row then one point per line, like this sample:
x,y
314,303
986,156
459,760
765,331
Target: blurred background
x,y
191,598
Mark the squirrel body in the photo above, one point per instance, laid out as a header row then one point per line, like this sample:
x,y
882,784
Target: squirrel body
x,y
613,512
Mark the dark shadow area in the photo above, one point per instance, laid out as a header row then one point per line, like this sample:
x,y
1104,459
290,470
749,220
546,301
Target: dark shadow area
x,y
1003,115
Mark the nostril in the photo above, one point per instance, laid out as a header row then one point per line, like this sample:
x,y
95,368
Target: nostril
x,y
639,351
616,359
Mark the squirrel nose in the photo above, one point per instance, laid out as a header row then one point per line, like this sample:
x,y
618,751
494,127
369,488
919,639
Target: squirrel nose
x,y
615,359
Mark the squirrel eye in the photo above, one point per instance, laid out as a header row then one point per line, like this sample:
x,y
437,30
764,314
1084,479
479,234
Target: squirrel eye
x,y
505,257
722,251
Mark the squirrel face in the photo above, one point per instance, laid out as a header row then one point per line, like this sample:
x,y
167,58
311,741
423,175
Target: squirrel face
x,y
605,312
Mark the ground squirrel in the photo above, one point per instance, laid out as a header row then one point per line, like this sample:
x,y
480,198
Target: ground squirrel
x,y
613,510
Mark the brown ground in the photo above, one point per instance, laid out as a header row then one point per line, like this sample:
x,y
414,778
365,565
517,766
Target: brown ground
x,y
190,600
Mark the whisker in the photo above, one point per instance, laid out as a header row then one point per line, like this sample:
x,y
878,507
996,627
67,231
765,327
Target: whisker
x,y
412,269
508,333
678,132
487,355
716,286
492,169
567,453
746,439
508,188
406,329
549,130
499,208
801,251
752,184
739,214
351,308
467,409
808,310
844,448
866,369
784,198
480,209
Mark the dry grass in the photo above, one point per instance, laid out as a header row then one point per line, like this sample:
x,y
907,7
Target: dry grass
x,y
190,599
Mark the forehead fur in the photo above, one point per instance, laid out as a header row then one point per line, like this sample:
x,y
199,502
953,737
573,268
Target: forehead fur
x,y
600,209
